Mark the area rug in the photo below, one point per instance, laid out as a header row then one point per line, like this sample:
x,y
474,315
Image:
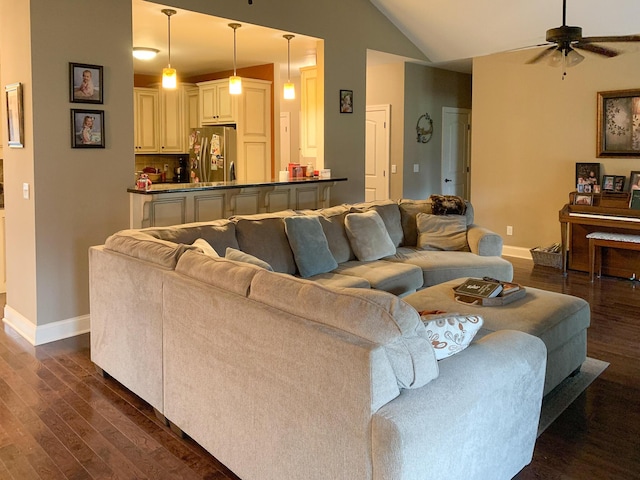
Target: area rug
x,y
564,394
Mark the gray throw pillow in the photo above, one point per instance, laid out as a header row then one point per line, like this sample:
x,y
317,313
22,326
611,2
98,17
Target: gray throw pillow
x,y
442,232
309,245
368,236
239,256
206,248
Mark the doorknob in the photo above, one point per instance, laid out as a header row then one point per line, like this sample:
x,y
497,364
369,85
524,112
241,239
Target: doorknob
x,y
446,180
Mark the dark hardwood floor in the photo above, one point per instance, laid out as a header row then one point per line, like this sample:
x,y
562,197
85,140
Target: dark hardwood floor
x,y
59,419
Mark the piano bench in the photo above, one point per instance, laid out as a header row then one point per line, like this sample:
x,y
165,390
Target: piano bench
x,y
597,240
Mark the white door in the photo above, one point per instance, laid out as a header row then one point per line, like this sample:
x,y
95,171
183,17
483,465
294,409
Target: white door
x,y
285,139
456,151
376,184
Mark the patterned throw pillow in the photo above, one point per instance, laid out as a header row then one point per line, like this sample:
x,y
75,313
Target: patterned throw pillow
x,y
450,333
447,205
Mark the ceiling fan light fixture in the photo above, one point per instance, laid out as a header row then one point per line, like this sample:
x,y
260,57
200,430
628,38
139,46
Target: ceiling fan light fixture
x,y
573,58
235,82
555,59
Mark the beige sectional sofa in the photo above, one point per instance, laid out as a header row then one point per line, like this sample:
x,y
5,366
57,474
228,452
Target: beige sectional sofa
x,y
331,376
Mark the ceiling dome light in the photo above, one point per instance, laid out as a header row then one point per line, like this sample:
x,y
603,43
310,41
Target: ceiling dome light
x,y
145,53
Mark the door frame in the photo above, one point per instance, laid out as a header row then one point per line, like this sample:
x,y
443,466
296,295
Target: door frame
x,y
467,181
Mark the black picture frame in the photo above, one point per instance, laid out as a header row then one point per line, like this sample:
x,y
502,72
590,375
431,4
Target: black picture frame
x,y
86,83
87,128
618,183
346,101
618,134
634,180
608,183
587,173
15,115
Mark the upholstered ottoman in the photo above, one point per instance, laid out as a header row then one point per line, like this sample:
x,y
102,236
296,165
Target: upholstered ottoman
x,y
559,320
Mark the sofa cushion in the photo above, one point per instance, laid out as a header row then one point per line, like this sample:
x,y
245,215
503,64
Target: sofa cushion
x,y
333,279
408,211
442,232
376,316
220,272
332,221
263,236
390,214
392,277
368,236
146,247
240,256
203,245
220,234
451,333
309,245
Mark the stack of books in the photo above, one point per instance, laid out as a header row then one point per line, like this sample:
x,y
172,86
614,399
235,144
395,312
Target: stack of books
x,y
488,291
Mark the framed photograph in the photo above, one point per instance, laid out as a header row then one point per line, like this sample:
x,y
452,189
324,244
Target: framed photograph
x,y
346,101
596,188
87,128
618,183
85,83
608,182
618,124
587,173
583,200
587,188
15,115
634,181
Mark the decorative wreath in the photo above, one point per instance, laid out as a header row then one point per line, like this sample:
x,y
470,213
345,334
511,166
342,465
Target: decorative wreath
x,y
424,134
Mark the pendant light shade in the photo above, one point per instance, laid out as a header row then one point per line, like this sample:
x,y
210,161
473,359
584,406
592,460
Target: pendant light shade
x,y
235,82
289,88
169,75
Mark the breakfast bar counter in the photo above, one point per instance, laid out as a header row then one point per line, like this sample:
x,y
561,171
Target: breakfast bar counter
x,y
165,204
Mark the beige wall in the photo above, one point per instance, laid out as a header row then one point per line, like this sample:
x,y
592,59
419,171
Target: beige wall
x,y
78,196
530,128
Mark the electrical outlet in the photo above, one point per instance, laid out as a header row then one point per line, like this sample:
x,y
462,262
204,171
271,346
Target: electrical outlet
x,y
416,167
509,230
393,169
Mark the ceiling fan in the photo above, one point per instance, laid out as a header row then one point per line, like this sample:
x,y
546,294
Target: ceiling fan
x,y
566,39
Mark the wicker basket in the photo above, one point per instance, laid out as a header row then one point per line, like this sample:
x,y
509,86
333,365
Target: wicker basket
x,y
546,259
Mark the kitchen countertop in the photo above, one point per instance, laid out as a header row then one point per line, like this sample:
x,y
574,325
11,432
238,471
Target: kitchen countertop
x,y
158,188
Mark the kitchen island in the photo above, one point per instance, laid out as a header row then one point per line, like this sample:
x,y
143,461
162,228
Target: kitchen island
x,y
165,204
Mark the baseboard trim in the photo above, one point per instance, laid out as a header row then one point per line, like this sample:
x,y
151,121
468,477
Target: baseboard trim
x,y
50,332
518,252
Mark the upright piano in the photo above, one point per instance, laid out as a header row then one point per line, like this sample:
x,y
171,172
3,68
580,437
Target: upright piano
x,y
577,221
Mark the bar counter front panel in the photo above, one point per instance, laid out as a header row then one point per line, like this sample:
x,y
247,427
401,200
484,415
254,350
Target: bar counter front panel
x,y
178,203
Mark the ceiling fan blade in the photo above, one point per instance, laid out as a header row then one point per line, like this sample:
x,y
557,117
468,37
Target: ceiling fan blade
x,y
542,54
597,49
619,38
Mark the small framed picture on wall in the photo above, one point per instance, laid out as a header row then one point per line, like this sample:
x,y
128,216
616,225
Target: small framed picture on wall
x,y
346,101
87,128
85,83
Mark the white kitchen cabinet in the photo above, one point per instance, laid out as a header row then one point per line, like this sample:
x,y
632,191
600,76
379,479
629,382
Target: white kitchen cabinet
x,y
254,132
172,122
217,105
145,119
192,107
312,116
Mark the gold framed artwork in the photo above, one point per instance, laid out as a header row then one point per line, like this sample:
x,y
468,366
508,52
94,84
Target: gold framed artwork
x,y
15,115
618,124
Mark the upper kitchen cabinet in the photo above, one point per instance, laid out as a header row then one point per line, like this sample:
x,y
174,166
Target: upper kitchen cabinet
x,y
217,105
145,119
312,116
162,119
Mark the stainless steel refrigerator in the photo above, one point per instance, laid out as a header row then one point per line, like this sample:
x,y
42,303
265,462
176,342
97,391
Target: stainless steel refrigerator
x,y
212,154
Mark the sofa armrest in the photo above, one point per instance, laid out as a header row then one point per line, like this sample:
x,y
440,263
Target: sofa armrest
x,y
484,242
477,420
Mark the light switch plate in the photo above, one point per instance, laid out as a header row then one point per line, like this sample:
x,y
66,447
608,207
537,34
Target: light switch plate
x,y
416,167
25,191
393,169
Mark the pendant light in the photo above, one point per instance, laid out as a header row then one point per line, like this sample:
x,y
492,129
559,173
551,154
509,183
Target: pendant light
x,y
235,83
169,76
289,88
